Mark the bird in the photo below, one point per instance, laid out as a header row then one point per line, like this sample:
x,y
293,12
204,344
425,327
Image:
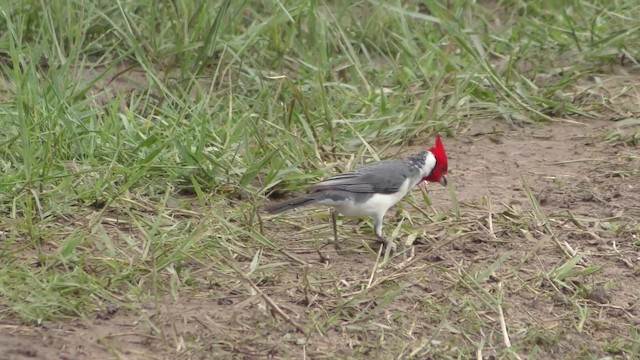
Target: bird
x,y
372,189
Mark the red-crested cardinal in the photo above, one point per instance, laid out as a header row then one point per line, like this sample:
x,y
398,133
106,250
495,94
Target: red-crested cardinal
x,y
372,189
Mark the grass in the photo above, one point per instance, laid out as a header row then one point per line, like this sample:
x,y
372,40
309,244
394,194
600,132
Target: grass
x,y
141,138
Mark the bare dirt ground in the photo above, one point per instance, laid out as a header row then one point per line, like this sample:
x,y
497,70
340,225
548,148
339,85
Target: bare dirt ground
x,y
498,267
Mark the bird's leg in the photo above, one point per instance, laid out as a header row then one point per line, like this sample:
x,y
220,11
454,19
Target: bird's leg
x,y
334,222
377,226
334,225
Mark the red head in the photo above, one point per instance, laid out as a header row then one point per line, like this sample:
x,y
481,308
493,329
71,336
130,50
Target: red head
x,y
441,168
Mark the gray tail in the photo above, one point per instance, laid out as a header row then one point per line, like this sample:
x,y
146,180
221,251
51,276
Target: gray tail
x,y
292,204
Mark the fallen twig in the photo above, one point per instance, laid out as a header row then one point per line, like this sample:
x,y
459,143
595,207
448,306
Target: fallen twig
x,y
276,309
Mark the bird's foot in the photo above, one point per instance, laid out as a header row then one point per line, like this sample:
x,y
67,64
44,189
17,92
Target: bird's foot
x,y
388,243
323,258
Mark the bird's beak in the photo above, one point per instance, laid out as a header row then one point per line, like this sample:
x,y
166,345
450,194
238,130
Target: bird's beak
x,y
443,181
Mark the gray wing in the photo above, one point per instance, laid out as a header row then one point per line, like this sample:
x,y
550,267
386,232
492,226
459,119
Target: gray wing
x,y
384,177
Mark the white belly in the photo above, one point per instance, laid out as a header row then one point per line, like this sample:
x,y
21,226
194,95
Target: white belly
x,y
376,204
